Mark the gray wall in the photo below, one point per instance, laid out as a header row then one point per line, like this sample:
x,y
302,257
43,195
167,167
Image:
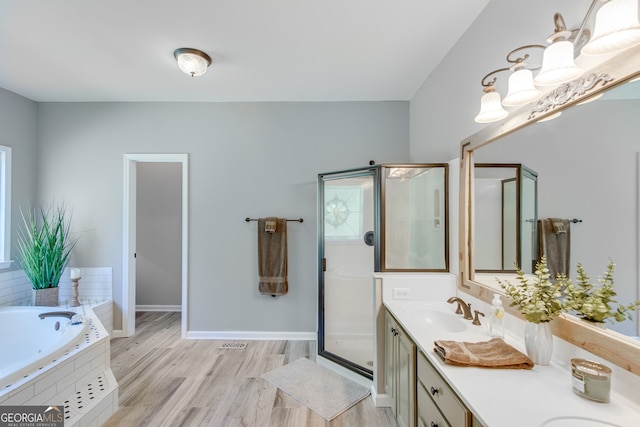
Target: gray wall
x,y
18,117
246,159
158,233
443,109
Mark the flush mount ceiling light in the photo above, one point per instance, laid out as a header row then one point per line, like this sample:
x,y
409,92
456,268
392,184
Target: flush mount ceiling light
x,y
192,61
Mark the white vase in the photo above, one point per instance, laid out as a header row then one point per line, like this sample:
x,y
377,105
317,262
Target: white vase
x,y
538,341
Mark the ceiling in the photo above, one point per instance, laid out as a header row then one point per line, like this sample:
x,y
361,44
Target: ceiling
x,y
278,50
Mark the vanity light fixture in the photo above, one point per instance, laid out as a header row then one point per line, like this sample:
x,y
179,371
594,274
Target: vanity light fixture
x,y
490,106
192,61
521,88
616,28
558,65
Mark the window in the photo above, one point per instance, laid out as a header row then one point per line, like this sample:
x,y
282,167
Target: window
x,y
5,207
343,213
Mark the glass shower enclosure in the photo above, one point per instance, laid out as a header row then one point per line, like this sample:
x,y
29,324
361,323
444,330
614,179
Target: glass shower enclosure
x,y
379,218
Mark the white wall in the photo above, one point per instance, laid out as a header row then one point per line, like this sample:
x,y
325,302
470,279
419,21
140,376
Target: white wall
x,y
246,159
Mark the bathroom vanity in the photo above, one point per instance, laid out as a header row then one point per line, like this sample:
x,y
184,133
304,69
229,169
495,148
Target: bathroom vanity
x,y
421,397
427,392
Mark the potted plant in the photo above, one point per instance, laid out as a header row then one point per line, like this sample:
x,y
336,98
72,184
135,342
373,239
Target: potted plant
x,y
596,303
44,248
539,300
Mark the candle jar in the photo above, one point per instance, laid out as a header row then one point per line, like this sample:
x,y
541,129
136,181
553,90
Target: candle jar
x,y
591,380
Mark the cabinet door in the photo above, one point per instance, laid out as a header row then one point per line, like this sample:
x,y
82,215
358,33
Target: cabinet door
x,y
406,385
442,395
427,412
390,356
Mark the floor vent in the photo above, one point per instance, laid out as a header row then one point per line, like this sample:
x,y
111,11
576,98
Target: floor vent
x,y
233,345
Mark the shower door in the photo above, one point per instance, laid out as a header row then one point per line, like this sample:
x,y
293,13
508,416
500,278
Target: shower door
x,y
347,251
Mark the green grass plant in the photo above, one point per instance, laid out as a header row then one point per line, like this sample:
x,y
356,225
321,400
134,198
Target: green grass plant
x,y
44,246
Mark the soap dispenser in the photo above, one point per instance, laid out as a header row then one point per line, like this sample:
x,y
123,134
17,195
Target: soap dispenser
x,y
496,320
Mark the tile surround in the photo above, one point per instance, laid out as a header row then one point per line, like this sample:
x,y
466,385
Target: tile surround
x,y
96,285
81,380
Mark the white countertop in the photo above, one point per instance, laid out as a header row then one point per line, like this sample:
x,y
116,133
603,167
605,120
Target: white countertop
x,y
510,397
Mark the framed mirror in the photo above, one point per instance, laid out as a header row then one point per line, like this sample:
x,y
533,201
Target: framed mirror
x,y
587,163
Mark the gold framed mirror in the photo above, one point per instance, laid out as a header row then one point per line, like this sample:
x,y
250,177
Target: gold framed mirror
x,y
610,73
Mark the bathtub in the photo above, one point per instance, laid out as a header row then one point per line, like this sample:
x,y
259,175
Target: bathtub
x,y
30,343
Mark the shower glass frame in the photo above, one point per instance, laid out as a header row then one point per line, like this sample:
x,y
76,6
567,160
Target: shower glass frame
x,y
379,174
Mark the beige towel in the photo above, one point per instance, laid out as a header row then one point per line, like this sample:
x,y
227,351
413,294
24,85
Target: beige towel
x,y
272,257
494,353
554,242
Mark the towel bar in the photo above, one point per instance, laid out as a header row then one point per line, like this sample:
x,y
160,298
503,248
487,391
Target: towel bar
x,y
255,219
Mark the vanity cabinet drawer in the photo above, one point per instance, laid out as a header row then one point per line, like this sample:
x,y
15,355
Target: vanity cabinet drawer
x,y
428,413
442,395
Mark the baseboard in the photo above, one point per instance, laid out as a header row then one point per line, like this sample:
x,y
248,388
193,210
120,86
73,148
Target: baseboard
x,y
251,335
118,333
152,307
381,400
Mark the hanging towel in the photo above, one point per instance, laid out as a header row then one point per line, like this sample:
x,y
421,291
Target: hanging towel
x,y
494,353
272,257
554,242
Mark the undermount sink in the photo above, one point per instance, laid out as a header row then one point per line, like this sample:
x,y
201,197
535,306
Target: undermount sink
x,y
571,421
435,318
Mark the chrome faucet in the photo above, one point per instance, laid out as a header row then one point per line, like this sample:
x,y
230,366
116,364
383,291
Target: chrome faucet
x,y
67,314
463,307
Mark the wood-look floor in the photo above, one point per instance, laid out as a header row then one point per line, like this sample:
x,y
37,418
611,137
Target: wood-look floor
x,y
168,381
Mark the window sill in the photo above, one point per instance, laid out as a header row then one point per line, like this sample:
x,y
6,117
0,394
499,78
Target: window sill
x,y
4,265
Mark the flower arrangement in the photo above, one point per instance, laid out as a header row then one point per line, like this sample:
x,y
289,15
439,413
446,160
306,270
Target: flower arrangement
x,y
594,303
539,300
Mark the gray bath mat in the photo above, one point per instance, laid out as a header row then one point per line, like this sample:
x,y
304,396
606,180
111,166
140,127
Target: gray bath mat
x,y
318,388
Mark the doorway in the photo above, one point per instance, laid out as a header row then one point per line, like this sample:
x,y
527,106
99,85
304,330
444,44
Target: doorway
x,y
130,207
158,229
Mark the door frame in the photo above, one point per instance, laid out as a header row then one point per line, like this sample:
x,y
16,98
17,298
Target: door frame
x,y
374,173
129,237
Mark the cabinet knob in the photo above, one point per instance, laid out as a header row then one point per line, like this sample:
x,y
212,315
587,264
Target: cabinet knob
x,y
434,424
434,391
